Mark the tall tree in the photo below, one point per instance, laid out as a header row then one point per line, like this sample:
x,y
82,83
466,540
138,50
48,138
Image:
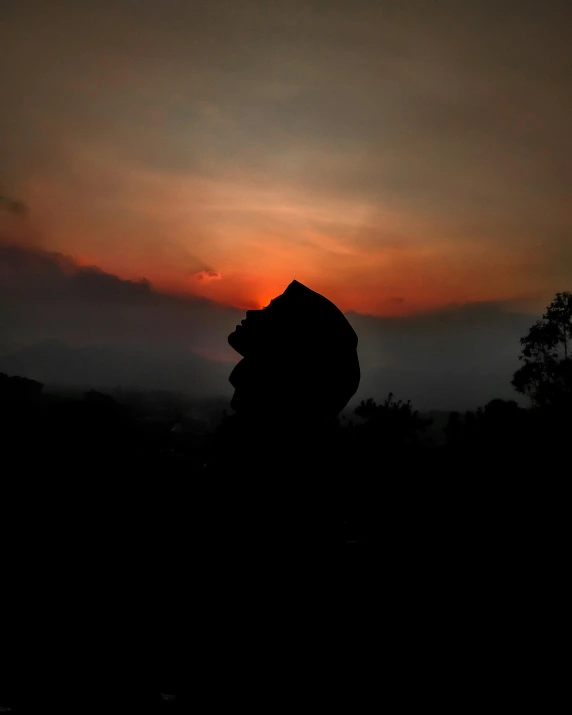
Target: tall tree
x,y
546,373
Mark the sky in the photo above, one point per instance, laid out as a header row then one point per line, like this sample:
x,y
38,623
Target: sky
x,y
410,160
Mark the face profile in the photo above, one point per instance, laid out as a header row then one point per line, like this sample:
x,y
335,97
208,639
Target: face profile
x,y
260,328
298,352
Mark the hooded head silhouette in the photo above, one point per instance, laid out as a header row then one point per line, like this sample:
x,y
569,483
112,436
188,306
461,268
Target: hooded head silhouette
x,y
299,354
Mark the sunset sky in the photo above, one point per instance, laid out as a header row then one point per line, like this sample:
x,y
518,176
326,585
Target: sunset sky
x,y
398,156
402,157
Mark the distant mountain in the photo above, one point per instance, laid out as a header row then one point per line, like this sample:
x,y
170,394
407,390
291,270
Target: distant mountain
x,y
137,367
446,388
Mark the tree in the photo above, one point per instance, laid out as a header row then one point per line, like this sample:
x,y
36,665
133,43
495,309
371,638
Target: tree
x,y
546,373
393,419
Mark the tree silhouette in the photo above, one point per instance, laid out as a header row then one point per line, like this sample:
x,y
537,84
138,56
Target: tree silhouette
x,y
546,372
393,418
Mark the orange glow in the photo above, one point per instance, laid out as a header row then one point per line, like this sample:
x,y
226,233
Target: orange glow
x,y
241,244
220,164
265,302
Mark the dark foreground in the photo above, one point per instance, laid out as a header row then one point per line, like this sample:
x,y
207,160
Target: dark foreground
x,y
126,574
104,612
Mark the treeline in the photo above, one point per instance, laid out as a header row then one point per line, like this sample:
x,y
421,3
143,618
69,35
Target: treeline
x,y
99,453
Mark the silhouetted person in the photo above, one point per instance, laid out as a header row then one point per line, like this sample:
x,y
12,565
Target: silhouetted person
x,y
271,536
298,370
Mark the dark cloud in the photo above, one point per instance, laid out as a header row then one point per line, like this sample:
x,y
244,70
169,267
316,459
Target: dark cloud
x,y
67,324
455,358
46,296
207,275
13,206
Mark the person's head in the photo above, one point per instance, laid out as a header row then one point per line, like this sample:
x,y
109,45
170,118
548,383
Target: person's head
x,y
300,354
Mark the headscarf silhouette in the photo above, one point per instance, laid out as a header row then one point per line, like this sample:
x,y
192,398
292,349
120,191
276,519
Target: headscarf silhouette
x,y
299,358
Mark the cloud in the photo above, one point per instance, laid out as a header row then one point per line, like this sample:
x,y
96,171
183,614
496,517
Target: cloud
x,y
13,206
454,358
162,143
208,276
47,296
